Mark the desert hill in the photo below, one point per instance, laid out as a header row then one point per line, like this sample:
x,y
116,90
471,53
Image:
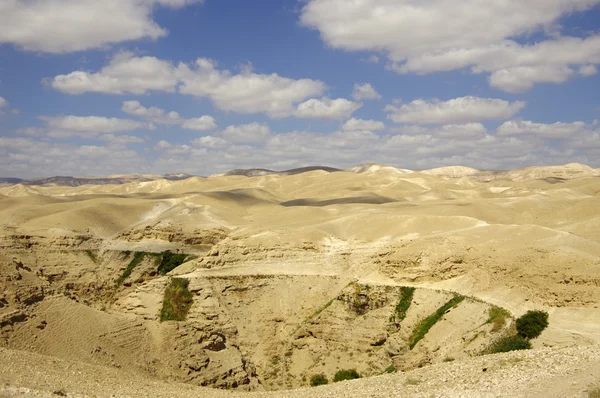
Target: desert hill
x,y
298,273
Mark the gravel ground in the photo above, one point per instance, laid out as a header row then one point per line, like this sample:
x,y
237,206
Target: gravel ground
x,y
564,372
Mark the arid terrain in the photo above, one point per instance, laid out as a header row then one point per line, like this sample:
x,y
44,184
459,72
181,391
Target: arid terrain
x,y
295,274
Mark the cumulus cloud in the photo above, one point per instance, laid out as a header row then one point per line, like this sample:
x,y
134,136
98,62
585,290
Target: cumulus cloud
x,y
519,79
479,34
326,108
125,73
97,124
160,116
255,145
365,92
3,103
454,111
59,26
246,133
588,70
361,124
203,123
542,130
246,92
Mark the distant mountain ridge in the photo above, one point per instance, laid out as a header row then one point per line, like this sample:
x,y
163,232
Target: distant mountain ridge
x,y
550,173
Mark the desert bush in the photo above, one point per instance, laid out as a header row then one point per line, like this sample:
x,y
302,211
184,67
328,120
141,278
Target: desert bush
x,y
421,329
497,317
509,343
170,261
177,301
532,324
346,374
318,380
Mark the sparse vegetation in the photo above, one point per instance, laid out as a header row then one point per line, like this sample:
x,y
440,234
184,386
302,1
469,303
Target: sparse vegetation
x,y
321,309
177,301
346,374
497,317
170,261
92,256
421,328
509,343
412,382
406,296
137,259
318,380
532,324
390,369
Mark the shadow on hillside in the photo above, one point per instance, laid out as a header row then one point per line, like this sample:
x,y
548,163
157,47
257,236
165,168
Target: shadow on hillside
x,y
371,200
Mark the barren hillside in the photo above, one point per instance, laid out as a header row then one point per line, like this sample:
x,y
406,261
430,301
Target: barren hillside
x,y
302,273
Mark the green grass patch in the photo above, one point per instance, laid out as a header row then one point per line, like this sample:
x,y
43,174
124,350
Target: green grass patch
x,y
346,374
421,328
177,301
170,261
135,261
390,369
406,297
497,317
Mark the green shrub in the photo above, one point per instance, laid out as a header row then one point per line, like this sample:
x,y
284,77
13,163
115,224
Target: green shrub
x,y
137,259
170,261
346,374
532,324
421,329
390,369
510,343
403,304
177,301
318,380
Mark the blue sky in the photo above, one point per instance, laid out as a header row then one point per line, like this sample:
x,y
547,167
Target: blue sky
x,y
202,87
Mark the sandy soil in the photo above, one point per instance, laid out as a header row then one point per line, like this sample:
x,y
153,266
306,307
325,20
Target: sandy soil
x,y
269,252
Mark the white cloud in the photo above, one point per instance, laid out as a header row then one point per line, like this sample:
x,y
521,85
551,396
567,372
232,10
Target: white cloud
x,y
3,102
476,34
326,108
452,131
154,114
361,124
96,124
246,92
121,139
555,130
519,79
413,147
454,111
588,70
202,123
160,116
125,73
365,92
210,142
246,133
59,26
